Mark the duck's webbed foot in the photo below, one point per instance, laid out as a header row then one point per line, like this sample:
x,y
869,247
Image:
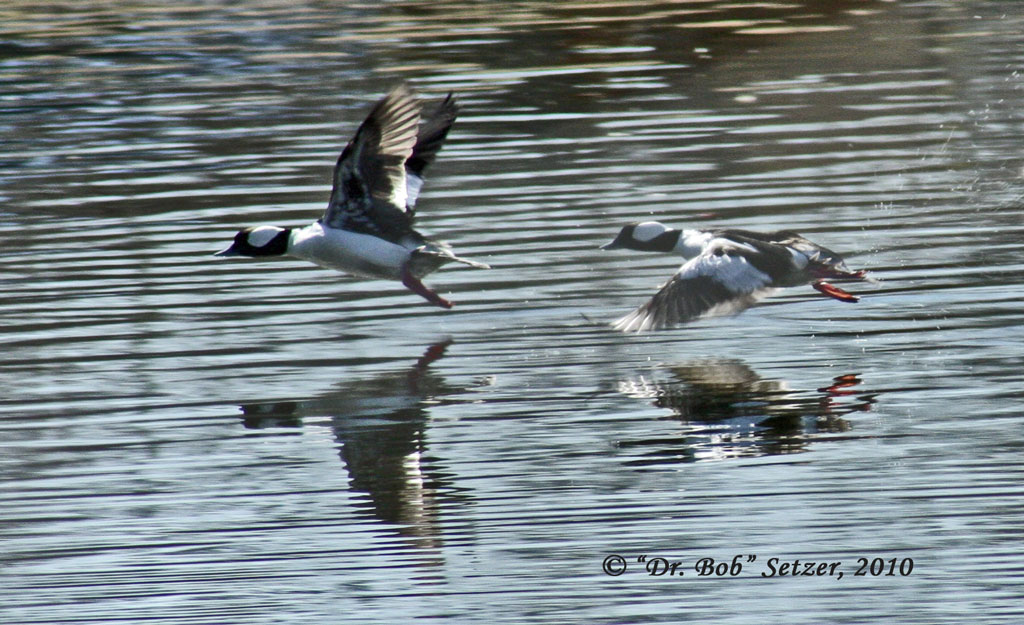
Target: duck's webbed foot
x,y
834,292
415,285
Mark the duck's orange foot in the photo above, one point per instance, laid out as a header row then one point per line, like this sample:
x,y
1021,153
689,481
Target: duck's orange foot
x,y
414,284
834,291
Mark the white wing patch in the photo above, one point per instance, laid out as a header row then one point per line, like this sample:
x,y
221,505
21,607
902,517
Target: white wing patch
x,y
413,184
715,283
732,271
800,259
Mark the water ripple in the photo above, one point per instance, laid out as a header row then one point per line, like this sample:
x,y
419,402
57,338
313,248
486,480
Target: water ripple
x,y
197,440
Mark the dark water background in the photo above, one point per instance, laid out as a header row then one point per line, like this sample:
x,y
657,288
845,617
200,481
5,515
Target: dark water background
x,y
186,439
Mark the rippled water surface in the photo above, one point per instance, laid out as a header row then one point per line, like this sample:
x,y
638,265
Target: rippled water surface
x,y
189,439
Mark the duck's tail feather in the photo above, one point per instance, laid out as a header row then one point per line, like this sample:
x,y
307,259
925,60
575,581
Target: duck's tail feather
x,y
471,263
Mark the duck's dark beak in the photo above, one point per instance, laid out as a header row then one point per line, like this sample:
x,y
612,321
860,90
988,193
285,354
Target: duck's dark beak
x,y
619,241
230,251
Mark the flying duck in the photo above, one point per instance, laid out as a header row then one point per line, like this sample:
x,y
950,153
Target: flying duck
x,y
367,229
727,271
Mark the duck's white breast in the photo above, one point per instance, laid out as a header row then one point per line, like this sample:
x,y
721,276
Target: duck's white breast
x,y
691,243
351,252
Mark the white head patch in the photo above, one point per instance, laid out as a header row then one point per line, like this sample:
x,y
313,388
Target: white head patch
x,y
648,230
261,235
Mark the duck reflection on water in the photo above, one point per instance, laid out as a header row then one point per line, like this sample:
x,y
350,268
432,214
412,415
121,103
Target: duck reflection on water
x,y
380,427
727,410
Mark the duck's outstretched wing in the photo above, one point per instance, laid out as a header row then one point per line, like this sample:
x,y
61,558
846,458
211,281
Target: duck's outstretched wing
x,y
719,281
370,192
429,140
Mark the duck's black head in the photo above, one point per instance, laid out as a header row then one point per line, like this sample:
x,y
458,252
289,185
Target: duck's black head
x,y
649,236
259,241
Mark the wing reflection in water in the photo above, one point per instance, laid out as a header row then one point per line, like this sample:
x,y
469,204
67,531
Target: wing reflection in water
x,y
727,410
380,425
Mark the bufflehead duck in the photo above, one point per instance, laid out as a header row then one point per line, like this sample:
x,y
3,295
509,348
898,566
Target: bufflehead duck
x,y
727,271
367,228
